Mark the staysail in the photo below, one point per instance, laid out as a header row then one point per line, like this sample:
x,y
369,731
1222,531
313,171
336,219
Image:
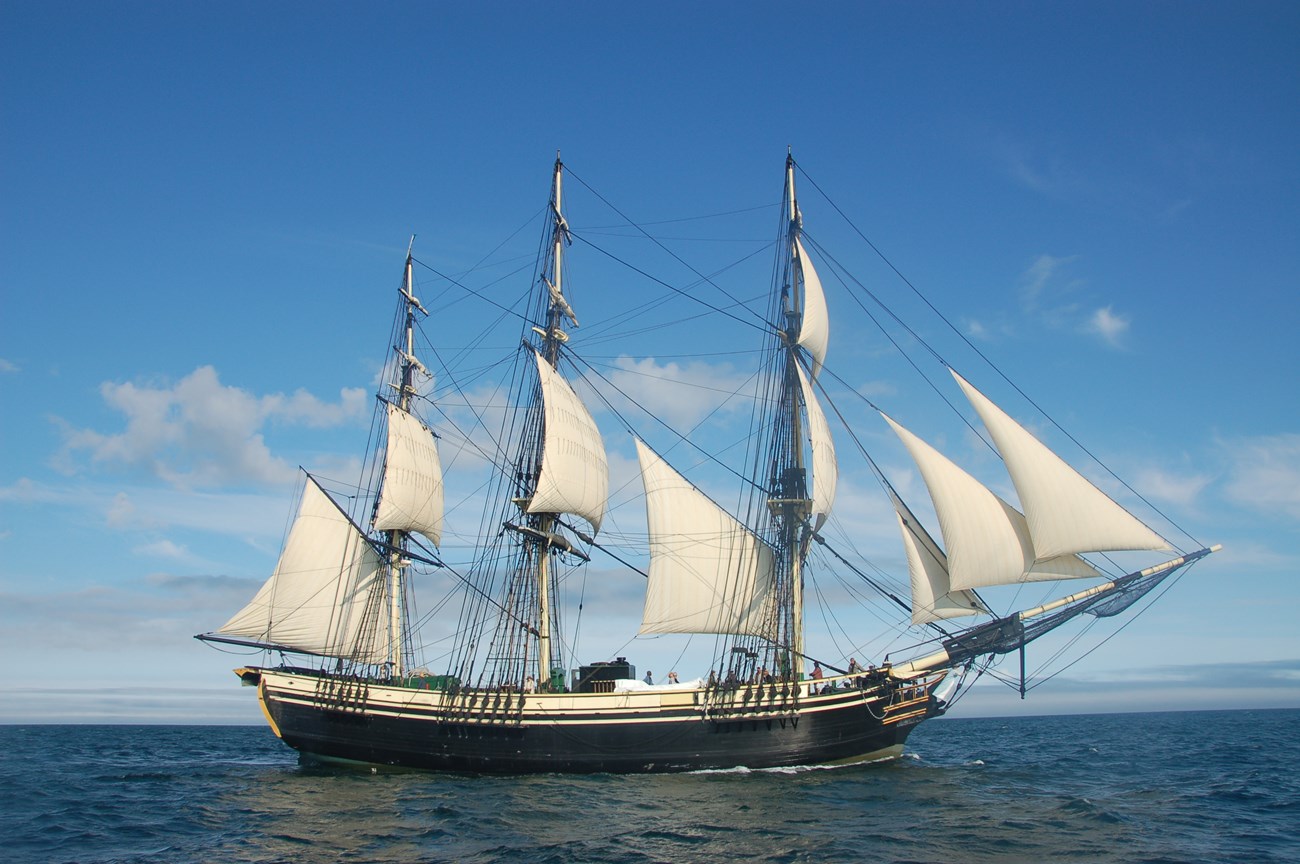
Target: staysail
x,y
1065,512
986,538
316,601
708,572
411,498
575,471
933,598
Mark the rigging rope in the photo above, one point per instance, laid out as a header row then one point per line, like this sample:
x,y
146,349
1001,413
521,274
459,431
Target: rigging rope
x,y
985,358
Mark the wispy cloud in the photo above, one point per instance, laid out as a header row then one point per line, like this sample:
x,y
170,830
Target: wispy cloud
x,y
1265,473
163,549
171,704
1047,174
154,613
1173,488
154,509
1052,296
1268,684
1107,325
1036,277
988,331
8,366
658,388
1046,289
199,432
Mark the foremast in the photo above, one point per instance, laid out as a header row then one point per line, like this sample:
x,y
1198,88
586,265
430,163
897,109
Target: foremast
x,y
338,589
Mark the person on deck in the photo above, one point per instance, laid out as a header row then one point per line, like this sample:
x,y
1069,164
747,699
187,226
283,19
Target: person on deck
x,y
649,677
672,678
817,673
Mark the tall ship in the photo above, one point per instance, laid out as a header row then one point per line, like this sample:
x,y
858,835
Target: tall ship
x,y
490,678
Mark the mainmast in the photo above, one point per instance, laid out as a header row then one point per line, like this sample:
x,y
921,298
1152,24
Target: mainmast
x,y
551,340
543,523
406,390
802,480
795,506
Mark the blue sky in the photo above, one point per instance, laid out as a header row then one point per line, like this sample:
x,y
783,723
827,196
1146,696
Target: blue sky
x,y
206,208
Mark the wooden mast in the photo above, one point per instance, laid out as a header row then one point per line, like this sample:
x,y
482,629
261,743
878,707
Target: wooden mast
x,y
551,340
397,562
796,511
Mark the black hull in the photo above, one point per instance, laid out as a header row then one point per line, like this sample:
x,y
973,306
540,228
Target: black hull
x,y
847,727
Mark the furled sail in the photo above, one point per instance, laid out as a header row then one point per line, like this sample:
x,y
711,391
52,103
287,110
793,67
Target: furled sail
x,y
575,470
932,596
814,329
986,538
1064,511
411,496
825,469
708,572
316,600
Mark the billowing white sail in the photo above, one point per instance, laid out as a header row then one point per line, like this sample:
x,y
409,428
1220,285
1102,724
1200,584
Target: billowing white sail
x,y
1065,512
575,471
814,331
825,473
316,600
932,596
708,572
411,496
986,538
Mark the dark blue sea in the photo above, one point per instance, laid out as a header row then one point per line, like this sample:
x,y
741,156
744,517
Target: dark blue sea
x,y
1177,787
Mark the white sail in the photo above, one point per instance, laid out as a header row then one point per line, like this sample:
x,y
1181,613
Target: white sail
x,y
575,470
708,572
1065,512
986,538
411,496
814,329
932,596
317,598
825,472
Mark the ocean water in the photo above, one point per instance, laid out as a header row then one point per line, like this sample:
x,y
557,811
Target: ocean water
x,y
1177,787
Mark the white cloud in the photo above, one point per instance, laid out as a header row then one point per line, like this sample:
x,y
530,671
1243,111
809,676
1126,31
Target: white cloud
x,y
121,512
876,389
1046,289
1044,173
989,331
8,366
1265,473
256,518
1049,294
202,433
302,407
1173,488
163,549
1035,278
1110,326
681,395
